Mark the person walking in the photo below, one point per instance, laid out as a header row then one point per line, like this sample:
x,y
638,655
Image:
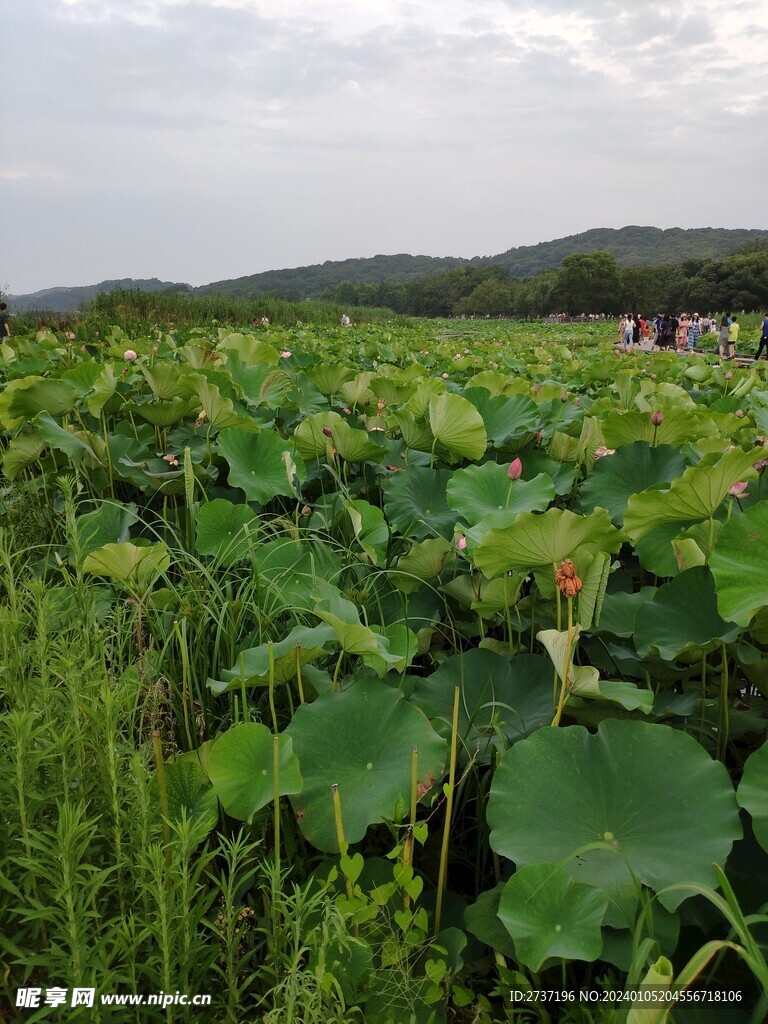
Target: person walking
x,y
722,338
5,322
694,330
763,338
733,337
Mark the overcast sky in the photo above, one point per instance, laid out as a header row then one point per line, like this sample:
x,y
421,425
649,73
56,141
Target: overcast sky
x,y
196,141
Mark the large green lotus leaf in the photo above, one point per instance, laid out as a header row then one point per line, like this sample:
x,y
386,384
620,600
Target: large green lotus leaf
x,y
104,390
25,449
403,644
620,610
360,740
635,467
162,413
127,563
458,426
260,384
241,766
482,921
163,379
663,808
425,560
682,618
344,618
535,541
355,445
57,437
357,390
328,378
415,503
309,438
505,419
548,914
248,348
563,475
108,524
752,793
677,427
662,396
226,531
476,491
23,399
371,530
219,411
739,565
656,549
301,646
287,571
416,433
501,701
261,464
190,795
694,496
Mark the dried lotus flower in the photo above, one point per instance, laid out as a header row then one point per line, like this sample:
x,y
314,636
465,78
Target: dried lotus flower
x,y
566,579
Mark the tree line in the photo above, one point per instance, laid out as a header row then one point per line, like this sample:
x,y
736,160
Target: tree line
x,y
585,283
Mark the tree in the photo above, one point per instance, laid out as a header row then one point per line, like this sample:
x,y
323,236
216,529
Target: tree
x,y
590,282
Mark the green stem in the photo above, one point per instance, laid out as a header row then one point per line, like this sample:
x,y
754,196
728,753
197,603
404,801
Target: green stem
x,y
162,792
442,875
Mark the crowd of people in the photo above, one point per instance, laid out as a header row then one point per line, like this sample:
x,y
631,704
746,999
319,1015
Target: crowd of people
x,y
686,333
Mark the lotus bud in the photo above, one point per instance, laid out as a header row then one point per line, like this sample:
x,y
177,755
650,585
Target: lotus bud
x,y
515,470
327,431
739,414
540,436
729,374
461,542
761,464
657,418
566,579
653,376
347,411
130,355
738,490
306,510
445,376
286,354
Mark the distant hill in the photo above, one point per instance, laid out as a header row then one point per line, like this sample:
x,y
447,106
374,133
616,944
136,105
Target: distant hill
x,y
68,300
632,246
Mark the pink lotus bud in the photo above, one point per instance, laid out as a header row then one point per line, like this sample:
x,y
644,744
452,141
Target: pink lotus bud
x,y
445,376
327,431
130,355
515,470
347,411
461,543
739,414
657,418
738,490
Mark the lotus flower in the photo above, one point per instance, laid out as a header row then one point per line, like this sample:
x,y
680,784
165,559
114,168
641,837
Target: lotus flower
x,y
286,354
130,355
738,490
601,451
515,470
461,543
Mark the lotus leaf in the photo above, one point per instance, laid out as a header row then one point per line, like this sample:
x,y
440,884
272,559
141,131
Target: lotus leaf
x,y
241,768
649,795
415,502
635,467
361,740
226,531
505,419
458,426
424,561
476,491
190,795
682,618
740,565
548,914
535,541
23,399
260,464
110,523
300,647
127,563
752,793
371,530
694,496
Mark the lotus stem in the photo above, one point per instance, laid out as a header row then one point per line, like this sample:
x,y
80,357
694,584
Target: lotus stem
x,y
276,800
408,847
271,654
441,879
299,683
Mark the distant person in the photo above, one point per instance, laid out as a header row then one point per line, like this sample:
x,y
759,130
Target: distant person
x,y
733,337
694,330
722,338
682,331
763,337
629,334
666,332
345,321
636,325
5,322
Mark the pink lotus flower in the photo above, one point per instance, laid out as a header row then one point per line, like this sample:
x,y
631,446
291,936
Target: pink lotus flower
x,y
461,543
738,490
601,451
347,411
457,356
739,414
515,470
130,355
286,354
445,376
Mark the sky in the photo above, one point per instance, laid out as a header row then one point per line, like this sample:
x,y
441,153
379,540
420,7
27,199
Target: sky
x,y
199,140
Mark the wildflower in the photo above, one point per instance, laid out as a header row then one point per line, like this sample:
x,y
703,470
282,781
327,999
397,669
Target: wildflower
x,y
738,490
130,355
566,579
515,470
657,418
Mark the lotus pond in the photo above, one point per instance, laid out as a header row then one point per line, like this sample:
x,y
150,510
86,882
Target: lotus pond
x,y
378,674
